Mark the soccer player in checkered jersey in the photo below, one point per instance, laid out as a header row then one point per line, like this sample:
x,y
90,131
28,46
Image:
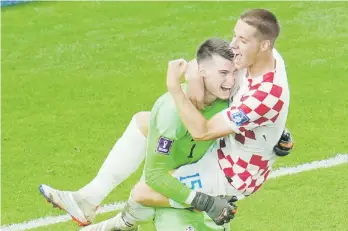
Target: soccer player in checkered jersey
x,y
125,157
248,130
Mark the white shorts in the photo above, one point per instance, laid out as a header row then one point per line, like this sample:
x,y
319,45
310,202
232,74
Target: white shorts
x,y
206,176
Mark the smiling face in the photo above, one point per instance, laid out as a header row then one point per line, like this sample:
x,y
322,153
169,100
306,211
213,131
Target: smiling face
x,y
254,34
215,65
245,45
218,76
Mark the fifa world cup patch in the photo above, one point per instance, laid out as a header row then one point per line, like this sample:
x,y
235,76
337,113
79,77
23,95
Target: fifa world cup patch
x,y
239,118
164,145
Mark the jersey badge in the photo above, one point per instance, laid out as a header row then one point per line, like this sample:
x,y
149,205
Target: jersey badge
x,y
239,118
164,145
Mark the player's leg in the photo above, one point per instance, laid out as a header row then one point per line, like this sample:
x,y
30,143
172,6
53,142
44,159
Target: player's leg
x,y
132,215
123,160
169,219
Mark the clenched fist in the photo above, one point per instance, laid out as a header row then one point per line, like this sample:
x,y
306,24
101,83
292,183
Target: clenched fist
x,y
176,69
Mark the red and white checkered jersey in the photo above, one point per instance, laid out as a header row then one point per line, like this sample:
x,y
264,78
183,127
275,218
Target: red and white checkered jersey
x,y
257,114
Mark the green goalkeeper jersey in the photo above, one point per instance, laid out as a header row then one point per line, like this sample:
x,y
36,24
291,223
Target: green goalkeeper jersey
x,y
170,146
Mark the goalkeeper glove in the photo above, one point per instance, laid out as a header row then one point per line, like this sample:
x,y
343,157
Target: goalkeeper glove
x,y
220,209
285,144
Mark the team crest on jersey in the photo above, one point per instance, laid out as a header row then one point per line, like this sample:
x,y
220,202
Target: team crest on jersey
x,y
239,118
164,145
190,228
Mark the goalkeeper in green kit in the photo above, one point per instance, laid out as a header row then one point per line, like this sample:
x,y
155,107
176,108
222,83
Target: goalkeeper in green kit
x,y
171,146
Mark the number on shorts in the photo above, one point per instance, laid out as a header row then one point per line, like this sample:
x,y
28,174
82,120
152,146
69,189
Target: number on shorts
x,y
195,183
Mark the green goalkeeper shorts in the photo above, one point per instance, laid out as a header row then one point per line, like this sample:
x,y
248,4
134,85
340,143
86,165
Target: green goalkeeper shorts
x,y
170,219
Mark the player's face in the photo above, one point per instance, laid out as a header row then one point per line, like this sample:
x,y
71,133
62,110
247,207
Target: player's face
x,y
245,45
218,76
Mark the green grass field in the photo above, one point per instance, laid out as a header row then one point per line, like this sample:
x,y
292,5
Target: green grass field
x,y
74,73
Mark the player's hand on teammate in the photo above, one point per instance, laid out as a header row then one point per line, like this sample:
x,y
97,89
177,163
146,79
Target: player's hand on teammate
x,y
220,209
285,144
176,70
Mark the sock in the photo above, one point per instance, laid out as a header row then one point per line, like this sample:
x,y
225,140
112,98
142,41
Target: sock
x,y
136,214
123,160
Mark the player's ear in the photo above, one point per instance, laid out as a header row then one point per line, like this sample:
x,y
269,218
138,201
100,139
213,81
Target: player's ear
x,y
265,45
202,73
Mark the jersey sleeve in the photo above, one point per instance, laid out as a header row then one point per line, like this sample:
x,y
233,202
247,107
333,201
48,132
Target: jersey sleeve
x,y
260,106
164,123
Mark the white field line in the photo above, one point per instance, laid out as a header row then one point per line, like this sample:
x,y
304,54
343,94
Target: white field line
x,y
50,220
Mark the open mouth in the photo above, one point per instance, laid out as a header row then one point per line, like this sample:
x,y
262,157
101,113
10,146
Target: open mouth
x,y
225,88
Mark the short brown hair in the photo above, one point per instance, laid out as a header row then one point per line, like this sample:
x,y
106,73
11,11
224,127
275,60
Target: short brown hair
x,y
214,46
264,21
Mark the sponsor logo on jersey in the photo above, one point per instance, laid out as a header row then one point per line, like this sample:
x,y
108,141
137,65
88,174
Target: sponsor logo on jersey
x,y
239,118
164,145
